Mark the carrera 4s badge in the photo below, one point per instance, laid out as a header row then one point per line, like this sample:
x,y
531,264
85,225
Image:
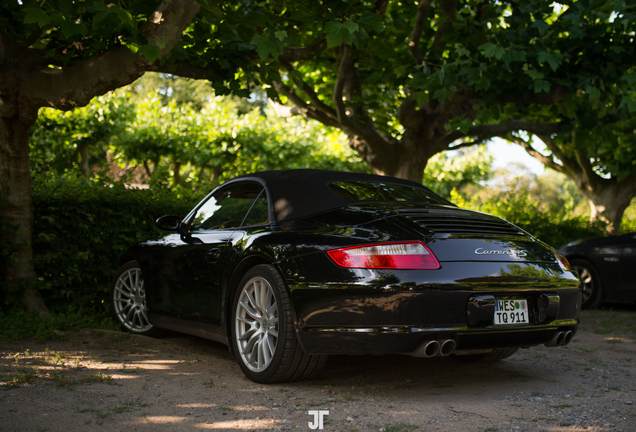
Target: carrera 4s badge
x,y
511,252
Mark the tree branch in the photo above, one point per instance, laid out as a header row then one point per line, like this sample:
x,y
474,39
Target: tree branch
x,y
311,94
583,161
185,70
568,163
449,10
380,7
76,85
468,144
304,108
414,44
343,71
501,129
32,37
545,160
554,96
303,53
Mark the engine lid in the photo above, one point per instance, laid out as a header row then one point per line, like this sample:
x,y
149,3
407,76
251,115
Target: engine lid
x,y
491,249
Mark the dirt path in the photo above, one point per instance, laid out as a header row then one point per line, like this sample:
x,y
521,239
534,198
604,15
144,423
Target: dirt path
x,y
99,380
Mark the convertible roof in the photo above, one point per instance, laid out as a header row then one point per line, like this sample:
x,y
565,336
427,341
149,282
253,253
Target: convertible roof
x,y
304,192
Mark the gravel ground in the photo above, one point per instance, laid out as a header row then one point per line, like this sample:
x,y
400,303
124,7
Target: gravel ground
x,y
102,380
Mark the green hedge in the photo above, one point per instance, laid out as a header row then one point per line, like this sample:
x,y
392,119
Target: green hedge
x,y
83,229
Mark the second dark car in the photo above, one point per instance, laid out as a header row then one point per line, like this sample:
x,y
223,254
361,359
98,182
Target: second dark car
x,y
604,265
287,267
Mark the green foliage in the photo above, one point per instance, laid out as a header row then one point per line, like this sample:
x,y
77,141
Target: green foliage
x,y
17,324
551,219
447,172
222,140
488,51
57,136
164,130
83,228
70,30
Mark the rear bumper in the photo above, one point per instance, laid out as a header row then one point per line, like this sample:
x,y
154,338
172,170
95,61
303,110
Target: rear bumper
x,y
353,341
388,312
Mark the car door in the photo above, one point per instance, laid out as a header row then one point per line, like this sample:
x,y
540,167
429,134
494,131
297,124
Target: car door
x,y
626,244
190,267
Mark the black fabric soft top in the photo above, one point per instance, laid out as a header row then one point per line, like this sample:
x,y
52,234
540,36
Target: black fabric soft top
x,y
304,192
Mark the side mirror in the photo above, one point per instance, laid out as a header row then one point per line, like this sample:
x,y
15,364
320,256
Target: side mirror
x,y
169,223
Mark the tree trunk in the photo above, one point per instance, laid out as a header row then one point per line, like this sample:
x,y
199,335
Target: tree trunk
x,y
405,159
16,205
608,201
84,166
176,175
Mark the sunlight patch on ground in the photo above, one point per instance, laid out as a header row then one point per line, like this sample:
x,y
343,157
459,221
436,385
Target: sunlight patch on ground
x,y
197,405
157,364
159,420
618,339
239,424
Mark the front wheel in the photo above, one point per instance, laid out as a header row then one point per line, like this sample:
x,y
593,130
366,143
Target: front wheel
x,y
263,335
128,300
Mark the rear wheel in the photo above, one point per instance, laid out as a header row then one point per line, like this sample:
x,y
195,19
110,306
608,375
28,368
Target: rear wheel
x,y
128,300
591,286
263,334
493,356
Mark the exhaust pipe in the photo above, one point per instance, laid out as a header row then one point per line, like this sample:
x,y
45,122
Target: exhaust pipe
x,y
427,349
557,340
568,337
446,347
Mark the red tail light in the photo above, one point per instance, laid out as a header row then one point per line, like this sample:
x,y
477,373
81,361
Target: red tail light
x,y
399,256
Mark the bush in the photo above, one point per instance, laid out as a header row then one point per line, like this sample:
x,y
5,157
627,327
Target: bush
x,y
81,231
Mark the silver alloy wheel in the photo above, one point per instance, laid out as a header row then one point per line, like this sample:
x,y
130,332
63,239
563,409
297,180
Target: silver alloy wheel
x,y
256,325
129,300
588,282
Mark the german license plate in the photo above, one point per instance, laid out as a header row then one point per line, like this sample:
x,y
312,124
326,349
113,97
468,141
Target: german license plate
x,y
511,312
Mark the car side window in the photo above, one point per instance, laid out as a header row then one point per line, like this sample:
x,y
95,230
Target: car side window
x,y
259,214
228,207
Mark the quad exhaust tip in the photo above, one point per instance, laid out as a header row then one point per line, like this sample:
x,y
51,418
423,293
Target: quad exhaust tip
x,y
560,338
432,348
447,347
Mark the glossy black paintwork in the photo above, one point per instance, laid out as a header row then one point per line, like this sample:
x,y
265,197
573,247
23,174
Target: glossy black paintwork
x,y
192,276
613,257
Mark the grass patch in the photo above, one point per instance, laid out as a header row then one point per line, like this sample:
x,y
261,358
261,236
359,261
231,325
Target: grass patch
x,y
402,427
609,322
97,378
560,406
18,325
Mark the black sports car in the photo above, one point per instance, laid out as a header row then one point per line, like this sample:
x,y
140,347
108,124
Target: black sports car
x,y
287,267
603,264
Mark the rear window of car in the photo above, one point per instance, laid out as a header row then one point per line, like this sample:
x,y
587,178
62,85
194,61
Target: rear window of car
x,y
379,191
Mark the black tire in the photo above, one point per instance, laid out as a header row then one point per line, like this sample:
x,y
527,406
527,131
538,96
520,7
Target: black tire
x,y
591,285
128,301
493,356
265,344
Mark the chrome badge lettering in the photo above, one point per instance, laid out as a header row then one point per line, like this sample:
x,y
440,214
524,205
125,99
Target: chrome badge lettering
x,y
511,252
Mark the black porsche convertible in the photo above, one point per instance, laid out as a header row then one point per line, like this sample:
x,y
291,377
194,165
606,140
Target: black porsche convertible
x,y
287,267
